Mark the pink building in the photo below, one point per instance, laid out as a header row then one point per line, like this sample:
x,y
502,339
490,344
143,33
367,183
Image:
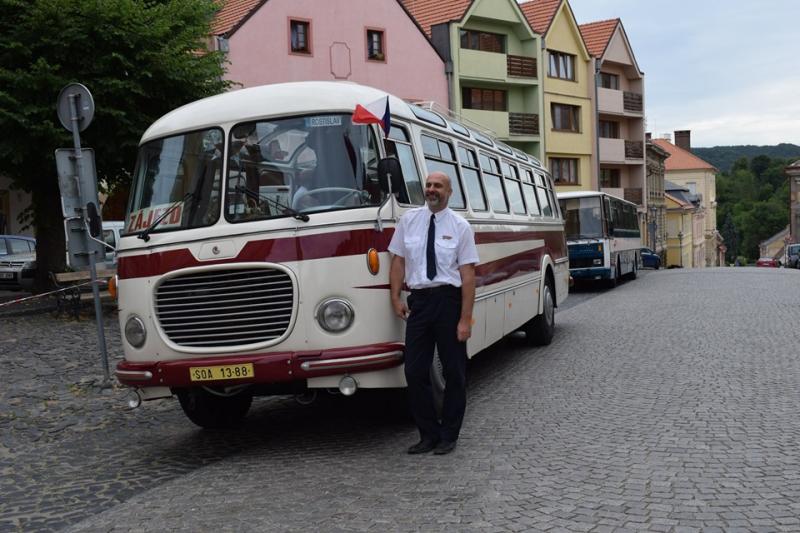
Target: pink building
x,y
371,42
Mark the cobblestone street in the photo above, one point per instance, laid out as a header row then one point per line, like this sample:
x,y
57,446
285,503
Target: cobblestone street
x,y
667,404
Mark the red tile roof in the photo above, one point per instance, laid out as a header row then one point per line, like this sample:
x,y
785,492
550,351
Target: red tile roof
x,y
680,159
233,12
540,13
429,13
597,35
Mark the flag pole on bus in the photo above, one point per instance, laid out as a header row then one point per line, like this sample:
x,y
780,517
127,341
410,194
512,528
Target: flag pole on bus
x,y
376,112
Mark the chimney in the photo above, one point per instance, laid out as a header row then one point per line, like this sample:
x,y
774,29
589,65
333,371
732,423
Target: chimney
x,y
683,139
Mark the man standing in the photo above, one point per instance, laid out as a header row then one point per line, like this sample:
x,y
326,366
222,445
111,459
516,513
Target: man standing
x,y
435,254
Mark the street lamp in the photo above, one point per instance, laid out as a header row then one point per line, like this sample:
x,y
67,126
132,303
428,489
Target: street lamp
x,y
680,246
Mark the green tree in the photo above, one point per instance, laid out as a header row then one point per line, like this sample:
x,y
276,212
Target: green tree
x,y
139,58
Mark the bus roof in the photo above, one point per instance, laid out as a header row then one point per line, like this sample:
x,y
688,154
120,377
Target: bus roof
x,y
270,100
304,97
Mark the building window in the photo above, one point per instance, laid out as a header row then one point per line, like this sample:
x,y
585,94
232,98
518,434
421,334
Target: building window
x,y
566,117
609,177
300,36
486,99
564,170
609,129
609,81
562,66
483,41
375,48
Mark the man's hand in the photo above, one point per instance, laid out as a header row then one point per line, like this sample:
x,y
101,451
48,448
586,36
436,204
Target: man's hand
x,y
400,308
464,330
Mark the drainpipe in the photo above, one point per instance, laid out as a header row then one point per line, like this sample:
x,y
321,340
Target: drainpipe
x,y
597,64
448,71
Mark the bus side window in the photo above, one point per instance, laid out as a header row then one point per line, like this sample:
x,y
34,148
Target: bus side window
x,y
543,195
494,184
529,190
398,145
439,156
472,179
513,188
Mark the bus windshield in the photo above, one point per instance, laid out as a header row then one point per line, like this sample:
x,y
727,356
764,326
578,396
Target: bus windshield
x,y
180,174
302,164
582,218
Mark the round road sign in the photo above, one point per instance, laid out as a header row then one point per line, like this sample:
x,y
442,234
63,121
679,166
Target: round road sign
x,y
85,104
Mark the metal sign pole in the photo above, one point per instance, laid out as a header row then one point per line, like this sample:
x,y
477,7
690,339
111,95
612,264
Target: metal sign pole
x,y
98,312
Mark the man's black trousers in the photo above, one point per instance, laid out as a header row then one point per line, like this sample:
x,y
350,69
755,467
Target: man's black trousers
x,y
433,321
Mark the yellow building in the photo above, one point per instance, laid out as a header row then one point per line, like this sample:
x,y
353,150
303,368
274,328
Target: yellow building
x,y
679,232
569,118
684,168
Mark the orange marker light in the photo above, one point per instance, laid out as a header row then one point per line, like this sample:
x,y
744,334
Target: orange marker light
x,y
373,262
112,287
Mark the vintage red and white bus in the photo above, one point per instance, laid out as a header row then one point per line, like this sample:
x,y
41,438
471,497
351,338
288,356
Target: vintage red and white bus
x,y
254,259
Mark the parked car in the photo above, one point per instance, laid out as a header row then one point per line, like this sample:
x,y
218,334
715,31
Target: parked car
x,y
768,262
17,262
650,259
793,256
111,233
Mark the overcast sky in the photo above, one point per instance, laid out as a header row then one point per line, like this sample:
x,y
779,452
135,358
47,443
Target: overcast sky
x,y
728,70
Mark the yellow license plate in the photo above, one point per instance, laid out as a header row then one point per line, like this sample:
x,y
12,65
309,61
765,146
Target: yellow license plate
x,y
209,373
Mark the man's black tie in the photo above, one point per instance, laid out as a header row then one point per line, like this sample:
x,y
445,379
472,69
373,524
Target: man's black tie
x,y
430,254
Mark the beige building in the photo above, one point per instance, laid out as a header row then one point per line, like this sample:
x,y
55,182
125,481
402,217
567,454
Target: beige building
x,y
618,98
793,173
774,246
655,235
699,177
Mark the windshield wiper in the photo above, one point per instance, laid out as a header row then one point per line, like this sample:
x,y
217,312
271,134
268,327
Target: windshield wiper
x,y
145,235
276,204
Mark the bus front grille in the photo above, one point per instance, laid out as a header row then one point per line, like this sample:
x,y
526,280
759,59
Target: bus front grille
x,y
224,308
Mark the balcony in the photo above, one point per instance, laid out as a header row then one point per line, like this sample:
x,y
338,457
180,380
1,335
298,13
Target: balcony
x,y
632,102
612,150
523,124
634,194
521,66
634,150
482,65
616,102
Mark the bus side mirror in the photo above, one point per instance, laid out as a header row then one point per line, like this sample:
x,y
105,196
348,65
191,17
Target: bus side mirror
x,y
389,169
95,224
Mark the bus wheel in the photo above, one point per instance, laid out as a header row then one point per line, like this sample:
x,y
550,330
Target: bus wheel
x,y
614,281
437,383
214,411
635,270
540,329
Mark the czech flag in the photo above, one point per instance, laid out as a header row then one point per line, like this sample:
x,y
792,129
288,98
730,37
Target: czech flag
x,y
376,112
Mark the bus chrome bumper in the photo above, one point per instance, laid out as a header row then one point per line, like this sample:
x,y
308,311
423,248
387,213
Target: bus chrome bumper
x,y
267,368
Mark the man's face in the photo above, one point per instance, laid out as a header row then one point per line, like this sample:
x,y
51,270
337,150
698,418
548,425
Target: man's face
x,y
437,191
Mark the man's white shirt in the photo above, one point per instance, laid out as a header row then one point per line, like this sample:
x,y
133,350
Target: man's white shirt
x,y
455,246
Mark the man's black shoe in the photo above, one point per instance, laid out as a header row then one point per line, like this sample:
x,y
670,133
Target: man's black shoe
x,y
444,447
423,446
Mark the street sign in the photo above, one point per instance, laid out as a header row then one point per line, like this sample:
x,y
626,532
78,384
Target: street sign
x,y
75,194
84,105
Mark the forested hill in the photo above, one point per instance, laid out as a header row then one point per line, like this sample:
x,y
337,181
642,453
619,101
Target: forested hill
x,y
723,157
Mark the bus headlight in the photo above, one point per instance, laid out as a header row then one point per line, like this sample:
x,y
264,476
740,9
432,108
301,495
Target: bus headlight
x,y
135,332
335,315
598,261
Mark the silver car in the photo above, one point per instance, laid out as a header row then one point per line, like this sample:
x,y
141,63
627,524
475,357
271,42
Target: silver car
x,y
17,262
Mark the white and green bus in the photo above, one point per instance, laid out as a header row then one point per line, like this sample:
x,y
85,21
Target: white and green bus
x,y
602,234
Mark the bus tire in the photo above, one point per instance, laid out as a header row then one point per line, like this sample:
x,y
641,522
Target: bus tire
x,y
540,329
210,411
437,383
614,280
635,270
